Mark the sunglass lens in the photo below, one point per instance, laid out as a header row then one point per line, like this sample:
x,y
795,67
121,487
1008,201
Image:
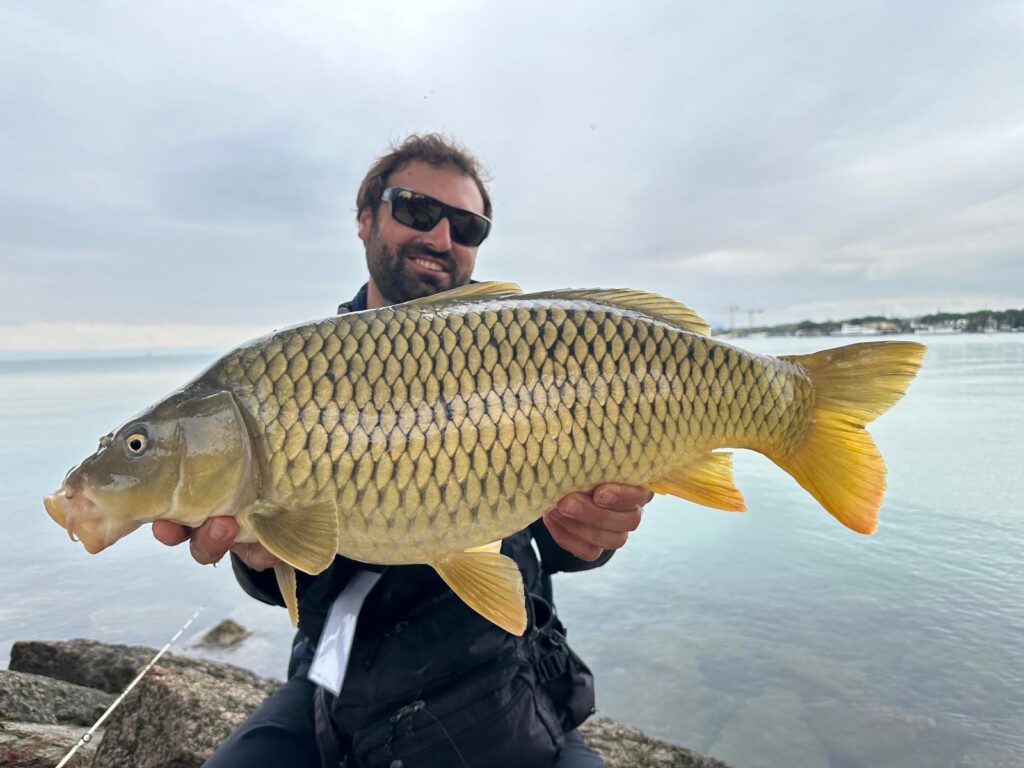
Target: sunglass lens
x,y
416,211
468,229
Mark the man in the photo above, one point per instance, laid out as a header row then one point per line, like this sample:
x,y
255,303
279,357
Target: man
x,y
424,681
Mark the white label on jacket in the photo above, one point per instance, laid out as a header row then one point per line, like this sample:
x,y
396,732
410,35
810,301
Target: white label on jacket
x,y
331,659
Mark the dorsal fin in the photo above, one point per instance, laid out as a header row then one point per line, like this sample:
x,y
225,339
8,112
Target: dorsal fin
x,y
471,292
651,304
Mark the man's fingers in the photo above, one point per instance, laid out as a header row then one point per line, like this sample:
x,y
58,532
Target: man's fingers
x,y
580,508
170,533
588,534
211,541
569,542
621,497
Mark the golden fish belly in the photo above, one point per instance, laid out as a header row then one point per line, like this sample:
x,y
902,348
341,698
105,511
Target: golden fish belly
x,y
434,429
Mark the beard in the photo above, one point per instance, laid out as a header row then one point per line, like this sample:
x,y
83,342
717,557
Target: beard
x,y
398,280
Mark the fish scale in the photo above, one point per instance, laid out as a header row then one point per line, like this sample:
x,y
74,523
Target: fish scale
x,y
462,423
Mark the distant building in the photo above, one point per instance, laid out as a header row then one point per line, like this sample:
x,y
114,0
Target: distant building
x,y
869,328
855,329
959,325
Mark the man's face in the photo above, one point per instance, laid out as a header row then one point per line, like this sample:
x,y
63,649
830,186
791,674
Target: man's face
x,y
405,263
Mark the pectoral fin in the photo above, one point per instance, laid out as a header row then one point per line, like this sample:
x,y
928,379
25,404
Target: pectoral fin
x,y
706,480
490,584
306,539
286,583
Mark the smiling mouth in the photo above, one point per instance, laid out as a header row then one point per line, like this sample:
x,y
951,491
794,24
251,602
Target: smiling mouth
x,y
433,265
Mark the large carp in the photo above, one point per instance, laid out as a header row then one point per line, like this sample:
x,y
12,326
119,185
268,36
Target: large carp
x,y
427,431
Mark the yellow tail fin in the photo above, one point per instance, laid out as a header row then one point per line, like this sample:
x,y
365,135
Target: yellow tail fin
x,y
837,461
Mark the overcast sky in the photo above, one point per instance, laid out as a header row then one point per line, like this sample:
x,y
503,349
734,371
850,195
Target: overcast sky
x,y
185,173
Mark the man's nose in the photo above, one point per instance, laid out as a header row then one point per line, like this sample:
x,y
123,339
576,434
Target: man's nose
x,y
440,237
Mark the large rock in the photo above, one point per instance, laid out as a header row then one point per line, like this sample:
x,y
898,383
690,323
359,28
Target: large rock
x,y
112,667
175,718
32,698
623,746
30,745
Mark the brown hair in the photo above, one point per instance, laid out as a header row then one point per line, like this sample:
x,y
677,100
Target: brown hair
x,y
432,148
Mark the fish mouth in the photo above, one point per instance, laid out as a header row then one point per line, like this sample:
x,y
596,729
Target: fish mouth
x,y
80,517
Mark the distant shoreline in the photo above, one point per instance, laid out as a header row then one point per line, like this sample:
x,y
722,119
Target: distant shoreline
x,y
982,321
743,333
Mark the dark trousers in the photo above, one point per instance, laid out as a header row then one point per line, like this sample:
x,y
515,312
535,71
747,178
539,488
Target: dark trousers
x,y
281,733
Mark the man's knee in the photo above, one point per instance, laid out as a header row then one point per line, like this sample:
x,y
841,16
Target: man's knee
x,y
280,732
576,754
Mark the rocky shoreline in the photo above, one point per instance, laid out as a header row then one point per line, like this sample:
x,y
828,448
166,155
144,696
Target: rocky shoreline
x,y
182,709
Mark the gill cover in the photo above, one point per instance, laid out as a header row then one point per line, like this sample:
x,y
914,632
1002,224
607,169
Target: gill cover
x,y
215,466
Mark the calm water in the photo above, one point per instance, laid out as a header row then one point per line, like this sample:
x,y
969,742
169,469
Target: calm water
x,y
771,638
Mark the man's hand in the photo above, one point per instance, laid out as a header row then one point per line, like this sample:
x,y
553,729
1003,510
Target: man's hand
x,y
212,540
586,524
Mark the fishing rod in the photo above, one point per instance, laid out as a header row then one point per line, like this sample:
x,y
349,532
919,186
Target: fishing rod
x,y
87,736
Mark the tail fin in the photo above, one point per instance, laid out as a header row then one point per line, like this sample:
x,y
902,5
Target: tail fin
x,y
837,461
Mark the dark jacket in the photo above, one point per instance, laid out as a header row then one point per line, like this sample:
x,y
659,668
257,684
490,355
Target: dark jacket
x,y
414,636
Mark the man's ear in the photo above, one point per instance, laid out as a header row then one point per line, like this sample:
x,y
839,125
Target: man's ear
x,y
365,223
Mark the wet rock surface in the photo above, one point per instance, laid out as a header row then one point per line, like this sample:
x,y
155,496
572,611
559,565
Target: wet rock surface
x,y
227,634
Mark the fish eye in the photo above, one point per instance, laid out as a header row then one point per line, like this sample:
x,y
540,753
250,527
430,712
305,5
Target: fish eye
x,y
136,443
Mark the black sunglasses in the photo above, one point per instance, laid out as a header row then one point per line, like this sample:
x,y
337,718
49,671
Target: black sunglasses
x,y
422,212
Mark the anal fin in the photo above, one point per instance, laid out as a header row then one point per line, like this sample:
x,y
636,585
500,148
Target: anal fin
x,y
706,480
489,583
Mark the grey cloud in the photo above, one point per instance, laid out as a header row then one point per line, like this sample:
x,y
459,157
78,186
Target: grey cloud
x,y
203,163
259,176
